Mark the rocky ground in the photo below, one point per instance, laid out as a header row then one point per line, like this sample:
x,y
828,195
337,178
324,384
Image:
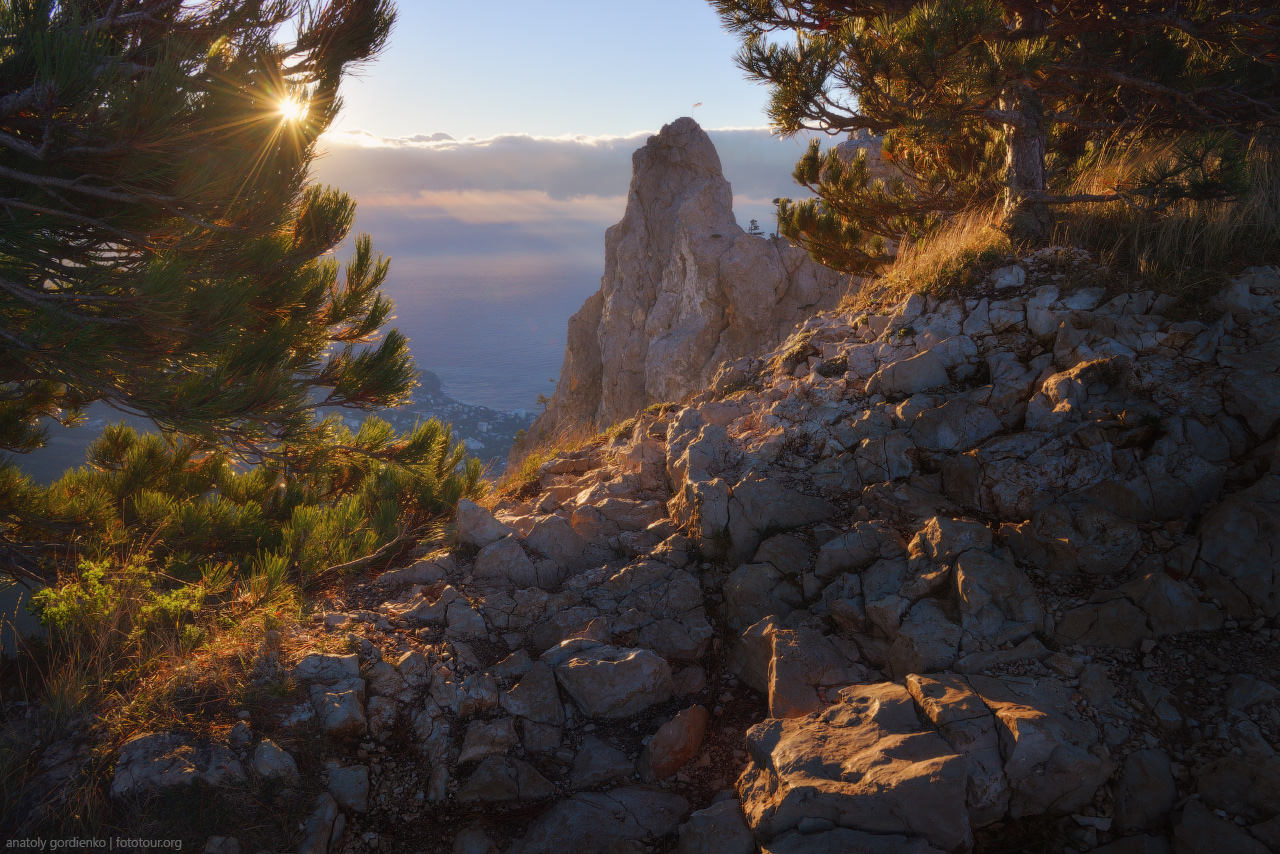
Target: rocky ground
x,y
997,574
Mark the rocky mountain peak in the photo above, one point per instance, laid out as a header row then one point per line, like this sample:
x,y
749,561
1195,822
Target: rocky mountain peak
x,y
684,290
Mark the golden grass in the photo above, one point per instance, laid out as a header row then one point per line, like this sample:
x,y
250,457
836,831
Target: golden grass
x,y
949,262
110,675
521,479
1188,250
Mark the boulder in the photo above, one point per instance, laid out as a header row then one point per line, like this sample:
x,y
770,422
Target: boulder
x,y
964,720
270,762
327,669
1117,622
674,744
865,764
603,822
1236,544
1066,540
804,666
1199,831
323,829
1245,690
499,779
477,527
340,712
597,762
1146,792
609,682
718,829
909,376
153,762
1253,396
535,697
758,590
995,598
488,738
842,841
942,540
758,504
504,564
956,426
1053,756
927,641
553,537
350,787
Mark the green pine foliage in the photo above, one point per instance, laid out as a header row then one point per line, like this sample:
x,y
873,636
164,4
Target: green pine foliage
x,y
162,250
197,515
998,102
190,524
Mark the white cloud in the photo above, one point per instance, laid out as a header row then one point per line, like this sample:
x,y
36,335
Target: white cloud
x,y
757,164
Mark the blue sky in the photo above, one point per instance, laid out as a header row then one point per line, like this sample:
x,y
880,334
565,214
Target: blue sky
x,y
596,67
489,150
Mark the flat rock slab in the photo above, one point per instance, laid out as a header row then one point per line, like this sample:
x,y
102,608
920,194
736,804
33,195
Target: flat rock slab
x,y
157,761
865,764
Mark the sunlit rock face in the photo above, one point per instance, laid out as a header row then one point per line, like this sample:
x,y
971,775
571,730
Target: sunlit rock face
x,y
684,290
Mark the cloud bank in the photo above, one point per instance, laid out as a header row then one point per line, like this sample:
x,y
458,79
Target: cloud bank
x,y
495,242
542,188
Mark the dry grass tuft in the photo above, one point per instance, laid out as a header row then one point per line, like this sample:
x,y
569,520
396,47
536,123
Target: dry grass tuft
x,y
111,669
1188,250
521,479
950,262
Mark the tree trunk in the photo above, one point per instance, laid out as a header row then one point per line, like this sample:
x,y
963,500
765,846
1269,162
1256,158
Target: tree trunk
x,y
1026,216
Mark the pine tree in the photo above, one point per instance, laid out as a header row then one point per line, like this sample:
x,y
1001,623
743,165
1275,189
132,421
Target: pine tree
x,y
161,247
981,101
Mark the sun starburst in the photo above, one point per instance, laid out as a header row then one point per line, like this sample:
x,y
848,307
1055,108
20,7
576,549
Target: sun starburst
x,y
292,109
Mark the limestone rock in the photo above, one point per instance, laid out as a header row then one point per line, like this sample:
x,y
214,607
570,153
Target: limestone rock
x,y
503,780
1146,793
488,738
609,682
340,711
675,743
270,761
842,841
350,787
805,665
327,669
1244,691
504,564
1199,831
866,764
684,290
477,526
926,642
1236,543
1054,758
153,762
535,697
969,727
554,538
323,829
755,591
597,762
603,822
908,376
718,829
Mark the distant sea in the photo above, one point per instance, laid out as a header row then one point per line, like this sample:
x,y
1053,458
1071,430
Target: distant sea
x,y
493,329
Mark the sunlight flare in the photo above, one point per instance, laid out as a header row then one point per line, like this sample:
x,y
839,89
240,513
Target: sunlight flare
x,y
292,109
